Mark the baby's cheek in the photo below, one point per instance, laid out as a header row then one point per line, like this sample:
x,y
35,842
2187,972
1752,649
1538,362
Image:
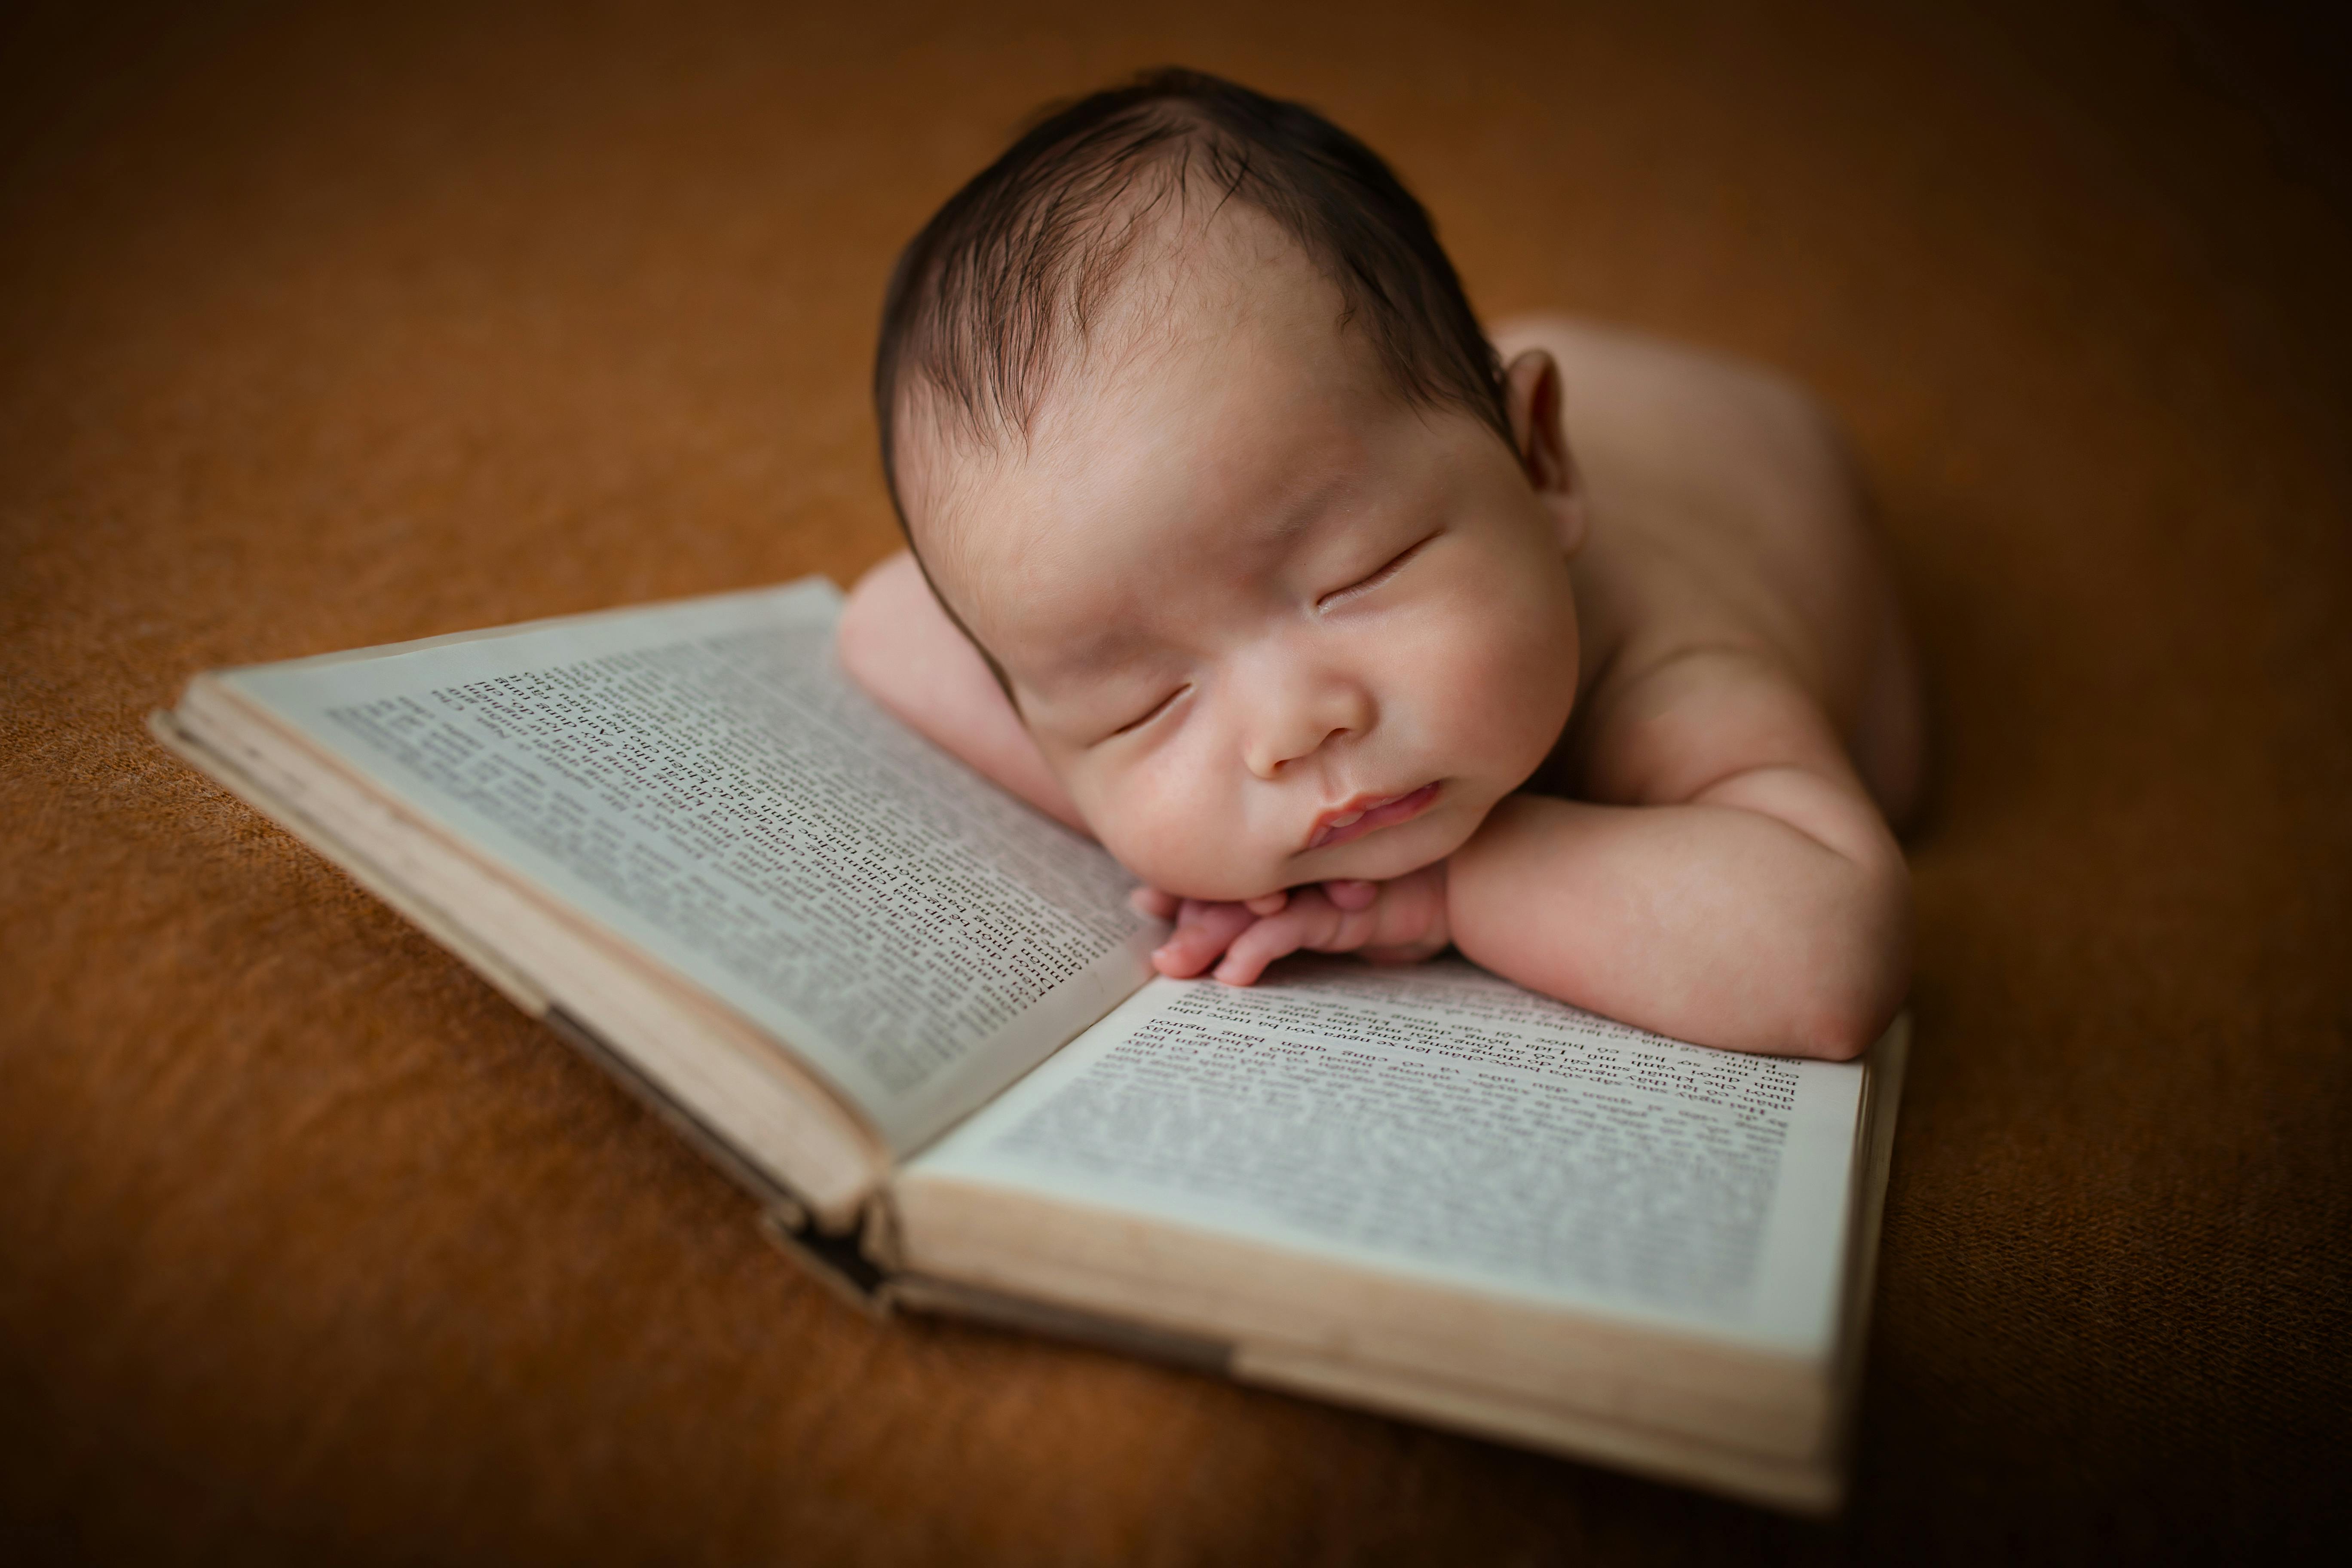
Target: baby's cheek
x,y
1182,845
1170,851
1506,689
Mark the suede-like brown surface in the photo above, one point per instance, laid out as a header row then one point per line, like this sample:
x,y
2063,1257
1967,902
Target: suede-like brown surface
x,y
320,330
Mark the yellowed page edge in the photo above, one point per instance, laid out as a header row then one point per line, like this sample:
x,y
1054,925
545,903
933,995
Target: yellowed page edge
x,y
1810,1487
837,1209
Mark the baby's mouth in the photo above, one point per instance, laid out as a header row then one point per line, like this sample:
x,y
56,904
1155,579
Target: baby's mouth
x,y
1367,813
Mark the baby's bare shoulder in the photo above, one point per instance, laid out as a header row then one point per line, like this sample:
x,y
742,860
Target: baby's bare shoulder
x,y
1657,423
1684,722
1732,585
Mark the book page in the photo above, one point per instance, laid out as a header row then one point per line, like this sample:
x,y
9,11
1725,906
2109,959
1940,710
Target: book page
x,y
701,779
1440,1123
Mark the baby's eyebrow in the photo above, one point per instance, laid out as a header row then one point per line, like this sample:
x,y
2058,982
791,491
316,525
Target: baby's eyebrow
x,y
1268,534
1093,653
1308,510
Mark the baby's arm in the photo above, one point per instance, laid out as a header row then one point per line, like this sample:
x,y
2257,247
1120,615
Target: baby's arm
x,y
1746,893
1739,890
898,644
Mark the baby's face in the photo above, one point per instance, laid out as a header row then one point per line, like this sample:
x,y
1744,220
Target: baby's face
x,y
1268,624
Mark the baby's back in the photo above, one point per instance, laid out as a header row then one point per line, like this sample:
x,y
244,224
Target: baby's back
x,y
1725,522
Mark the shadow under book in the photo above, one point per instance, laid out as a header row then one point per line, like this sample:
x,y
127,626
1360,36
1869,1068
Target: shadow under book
x,y
918,1021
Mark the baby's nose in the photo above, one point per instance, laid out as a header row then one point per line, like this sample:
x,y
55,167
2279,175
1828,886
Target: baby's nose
x,y
1298,717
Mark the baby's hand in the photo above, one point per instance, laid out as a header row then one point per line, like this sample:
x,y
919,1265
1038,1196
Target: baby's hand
x,y
1396,921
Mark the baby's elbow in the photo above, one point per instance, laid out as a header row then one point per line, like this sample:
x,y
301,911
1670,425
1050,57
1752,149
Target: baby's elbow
x,y
871,637
1840,1028
1843,1001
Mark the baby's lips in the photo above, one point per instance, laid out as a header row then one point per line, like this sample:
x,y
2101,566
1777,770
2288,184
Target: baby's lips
x,y
1360,816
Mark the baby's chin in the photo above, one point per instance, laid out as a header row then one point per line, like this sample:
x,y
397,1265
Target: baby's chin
x,y
1227,878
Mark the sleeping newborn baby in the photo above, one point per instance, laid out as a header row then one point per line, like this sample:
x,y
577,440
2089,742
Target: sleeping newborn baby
x,y
1236,544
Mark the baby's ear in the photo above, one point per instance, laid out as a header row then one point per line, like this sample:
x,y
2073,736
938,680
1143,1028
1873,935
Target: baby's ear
x,y
1532,390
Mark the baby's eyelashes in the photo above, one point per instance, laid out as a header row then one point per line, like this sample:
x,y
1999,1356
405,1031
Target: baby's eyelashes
x,y
1148,715
1365,585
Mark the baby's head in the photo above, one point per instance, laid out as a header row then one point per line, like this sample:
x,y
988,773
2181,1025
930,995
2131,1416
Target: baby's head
x,y
1196,436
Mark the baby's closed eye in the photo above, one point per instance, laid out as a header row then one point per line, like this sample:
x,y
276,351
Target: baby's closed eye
x,y
1376,577
1159,707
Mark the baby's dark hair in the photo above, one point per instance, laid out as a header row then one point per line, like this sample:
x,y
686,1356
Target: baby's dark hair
x,y
989,296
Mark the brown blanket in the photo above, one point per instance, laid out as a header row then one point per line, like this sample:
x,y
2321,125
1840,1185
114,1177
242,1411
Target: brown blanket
x,y
319,330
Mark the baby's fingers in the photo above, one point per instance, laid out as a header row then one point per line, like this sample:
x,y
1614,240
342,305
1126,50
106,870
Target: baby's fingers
x,y
1310,920
1203,931
1151,901
1246,958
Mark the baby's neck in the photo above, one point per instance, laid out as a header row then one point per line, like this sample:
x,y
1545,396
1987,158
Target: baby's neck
x,y
1599,637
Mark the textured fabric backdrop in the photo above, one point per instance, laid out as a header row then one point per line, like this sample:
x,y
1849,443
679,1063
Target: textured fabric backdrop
x,y
322,328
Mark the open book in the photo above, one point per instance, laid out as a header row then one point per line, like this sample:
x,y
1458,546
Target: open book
x,y
917,1020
